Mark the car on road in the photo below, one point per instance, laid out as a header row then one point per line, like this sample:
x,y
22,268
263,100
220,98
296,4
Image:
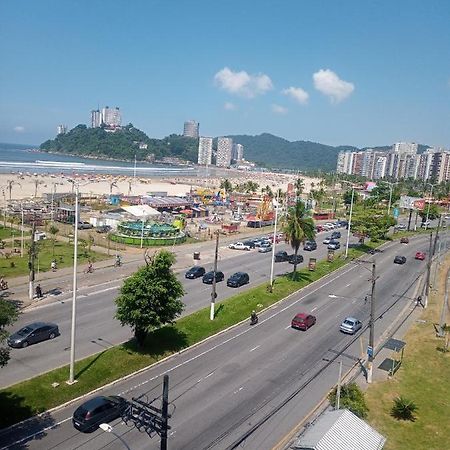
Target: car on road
x,y
281,256
265,249
336,235
295,259
400,259
327,240
350,325
209,277
303,321
238,279
420,256
400,226
32,334
101,409
239,246
277,238
310,246
404,240
250,243
426,223
85,226
103,229
334,245
195,272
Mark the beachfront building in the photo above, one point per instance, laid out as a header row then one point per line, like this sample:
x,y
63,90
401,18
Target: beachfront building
x,y
224,151
238,153
96,118
111,117
205,151
191,129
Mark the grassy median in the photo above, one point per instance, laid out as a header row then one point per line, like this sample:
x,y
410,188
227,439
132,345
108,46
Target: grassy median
x,y
30,397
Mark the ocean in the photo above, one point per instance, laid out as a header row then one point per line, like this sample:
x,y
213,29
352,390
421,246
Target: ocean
x,y
17,159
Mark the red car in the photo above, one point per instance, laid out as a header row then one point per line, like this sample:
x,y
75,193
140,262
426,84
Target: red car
x,y
303,321
420,255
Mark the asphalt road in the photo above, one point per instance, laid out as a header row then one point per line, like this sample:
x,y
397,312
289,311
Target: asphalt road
x,y
253,383
96,327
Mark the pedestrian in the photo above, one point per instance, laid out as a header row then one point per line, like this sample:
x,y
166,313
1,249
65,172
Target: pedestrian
x,y
419,301
38,291
53,266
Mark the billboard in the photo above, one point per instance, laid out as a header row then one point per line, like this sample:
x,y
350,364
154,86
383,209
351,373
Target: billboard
x,y
412,202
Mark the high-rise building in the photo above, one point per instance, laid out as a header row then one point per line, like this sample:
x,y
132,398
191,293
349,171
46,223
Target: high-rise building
x,y
111,117
224,150
62,129
344,163
191,129
405,147
238,152
205,151
96,118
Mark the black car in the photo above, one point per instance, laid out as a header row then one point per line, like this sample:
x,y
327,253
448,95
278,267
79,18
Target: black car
x,y
310,246
238,279
88,416
400,260
336,235
209,277
195,272
295,259
33,333
281,256
103,229
251,244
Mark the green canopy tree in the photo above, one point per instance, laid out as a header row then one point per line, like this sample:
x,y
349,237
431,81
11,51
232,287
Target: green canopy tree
x,y
299,186
298,228
226,185
371,223
53,230
151,297
8,315
433,212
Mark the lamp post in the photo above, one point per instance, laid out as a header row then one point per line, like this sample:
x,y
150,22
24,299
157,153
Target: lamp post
x,y
274,239
107,428
350,217
429,204
22,232
391,186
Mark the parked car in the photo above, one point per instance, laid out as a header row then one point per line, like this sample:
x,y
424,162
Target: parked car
x,y
334,245
319,228
426,223
310,246
238,279
303,321
85,226
209,277
239,246
420,255
295,259
281,256
195,272
277,238
249,243
400,226
350,325
336,235
33,333
327,240
399,260
102,409
404,240
265,249
103,229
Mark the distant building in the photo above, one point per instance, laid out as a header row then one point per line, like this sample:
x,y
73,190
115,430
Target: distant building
x,y
238,153
191,129
111,117
96,118
205,151
62,129
224,150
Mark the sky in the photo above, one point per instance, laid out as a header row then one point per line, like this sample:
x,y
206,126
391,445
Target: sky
x,y
362,73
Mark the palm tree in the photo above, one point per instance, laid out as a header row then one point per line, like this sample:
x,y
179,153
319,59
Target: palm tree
x,y
226,185
298,228
299,187
268,191
53,230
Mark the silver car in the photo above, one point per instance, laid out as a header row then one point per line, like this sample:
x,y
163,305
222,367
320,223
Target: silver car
x,y
350,325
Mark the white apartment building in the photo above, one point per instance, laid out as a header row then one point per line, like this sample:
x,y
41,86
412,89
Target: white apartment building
x,y
379,169
344,163
111,117
191,129
224,151
62,129
205,151
238,152
96,118
405,147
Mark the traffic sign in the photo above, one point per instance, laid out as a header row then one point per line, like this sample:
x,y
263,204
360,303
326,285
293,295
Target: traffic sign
x,y
396,212
369,351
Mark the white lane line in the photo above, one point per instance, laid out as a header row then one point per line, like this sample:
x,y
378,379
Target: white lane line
x,y
347,285
102,290
254,348
286,328
238,390
315,307
209,374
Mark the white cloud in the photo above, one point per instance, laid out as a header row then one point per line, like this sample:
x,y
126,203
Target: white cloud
x,y
298,94
278,109
19,129
327,82
242,83
229,106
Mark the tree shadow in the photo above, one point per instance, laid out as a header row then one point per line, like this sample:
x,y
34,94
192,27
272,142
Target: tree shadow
x,y
298,276
12,411
89,365
219,310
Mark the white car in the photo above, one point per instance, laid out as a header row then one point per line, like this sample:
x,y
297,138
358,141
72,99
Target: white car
x,y
327,240
239,246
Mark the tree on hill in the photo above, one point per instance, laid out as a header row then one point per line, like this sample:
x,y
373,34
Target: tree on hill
x,y
8,315
151,297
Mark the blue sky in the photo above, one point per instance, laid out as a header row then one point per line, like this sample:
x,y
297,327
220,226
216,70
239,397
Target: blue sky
x,y
362,73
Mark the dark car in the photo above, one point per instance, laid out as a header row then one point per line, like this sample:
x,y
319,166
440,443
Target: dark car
x,y
195,272
334,245
238,279
281,256
251,244
400,260
310,246
103,229
336,235
295,259
209,277
88,416
404,240
33,333
303,321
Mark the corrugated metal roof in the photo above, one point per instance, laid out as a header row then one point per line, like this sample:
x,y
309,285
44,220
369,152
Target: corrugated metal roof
x,y
340,430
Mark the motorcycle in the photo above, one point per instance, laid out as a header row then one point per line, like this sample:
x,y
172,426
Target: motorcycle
x,y
253,320
4,285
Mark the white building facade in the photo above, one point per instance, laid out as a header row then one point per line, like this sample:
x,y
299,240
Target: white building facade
x,y
205,145
191,129
224,152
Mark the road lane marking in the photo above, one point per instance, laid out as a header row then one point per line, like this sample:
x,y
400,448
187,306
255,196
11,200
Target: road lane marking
x,y
287,327
102,290
347,285
315,307
254,348
238,390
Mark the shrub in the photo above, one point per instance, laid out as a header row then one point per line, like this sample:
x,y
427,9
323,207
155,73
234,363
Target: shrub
x,y
404,409
352,398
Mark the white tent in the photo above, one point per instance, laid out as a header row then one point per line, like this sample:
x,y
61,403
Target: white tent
x,y
141,211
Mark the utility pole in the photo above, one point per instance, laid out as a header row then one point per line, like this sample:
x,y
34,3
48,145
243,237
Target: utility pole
x,y
349,225
427,284
370,349
338,389
213,292
31,258
436,236
274,240
441,330
165,412
409,220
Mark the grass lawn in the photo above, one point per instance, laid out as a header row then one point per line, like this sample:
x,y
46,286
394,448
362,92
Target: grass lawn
x,y
15,266
28,398
5,232
424,379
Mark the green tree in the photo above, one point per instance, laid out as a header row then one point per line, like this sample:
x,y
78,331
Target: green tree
x,y
8,315
351,398
430,209
347,197
268,191
371,223
404,409
299,186
150,297
226,185
298,228
53,230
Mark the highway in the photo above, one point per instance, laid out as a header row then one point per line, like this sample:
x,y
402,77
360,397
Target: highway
x,y
249,386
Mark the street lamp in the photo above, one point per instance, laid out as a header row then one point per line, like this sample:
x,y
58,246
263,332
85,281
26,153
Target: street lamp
x,y
350,217
109,429
391,186
277,205
429,204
